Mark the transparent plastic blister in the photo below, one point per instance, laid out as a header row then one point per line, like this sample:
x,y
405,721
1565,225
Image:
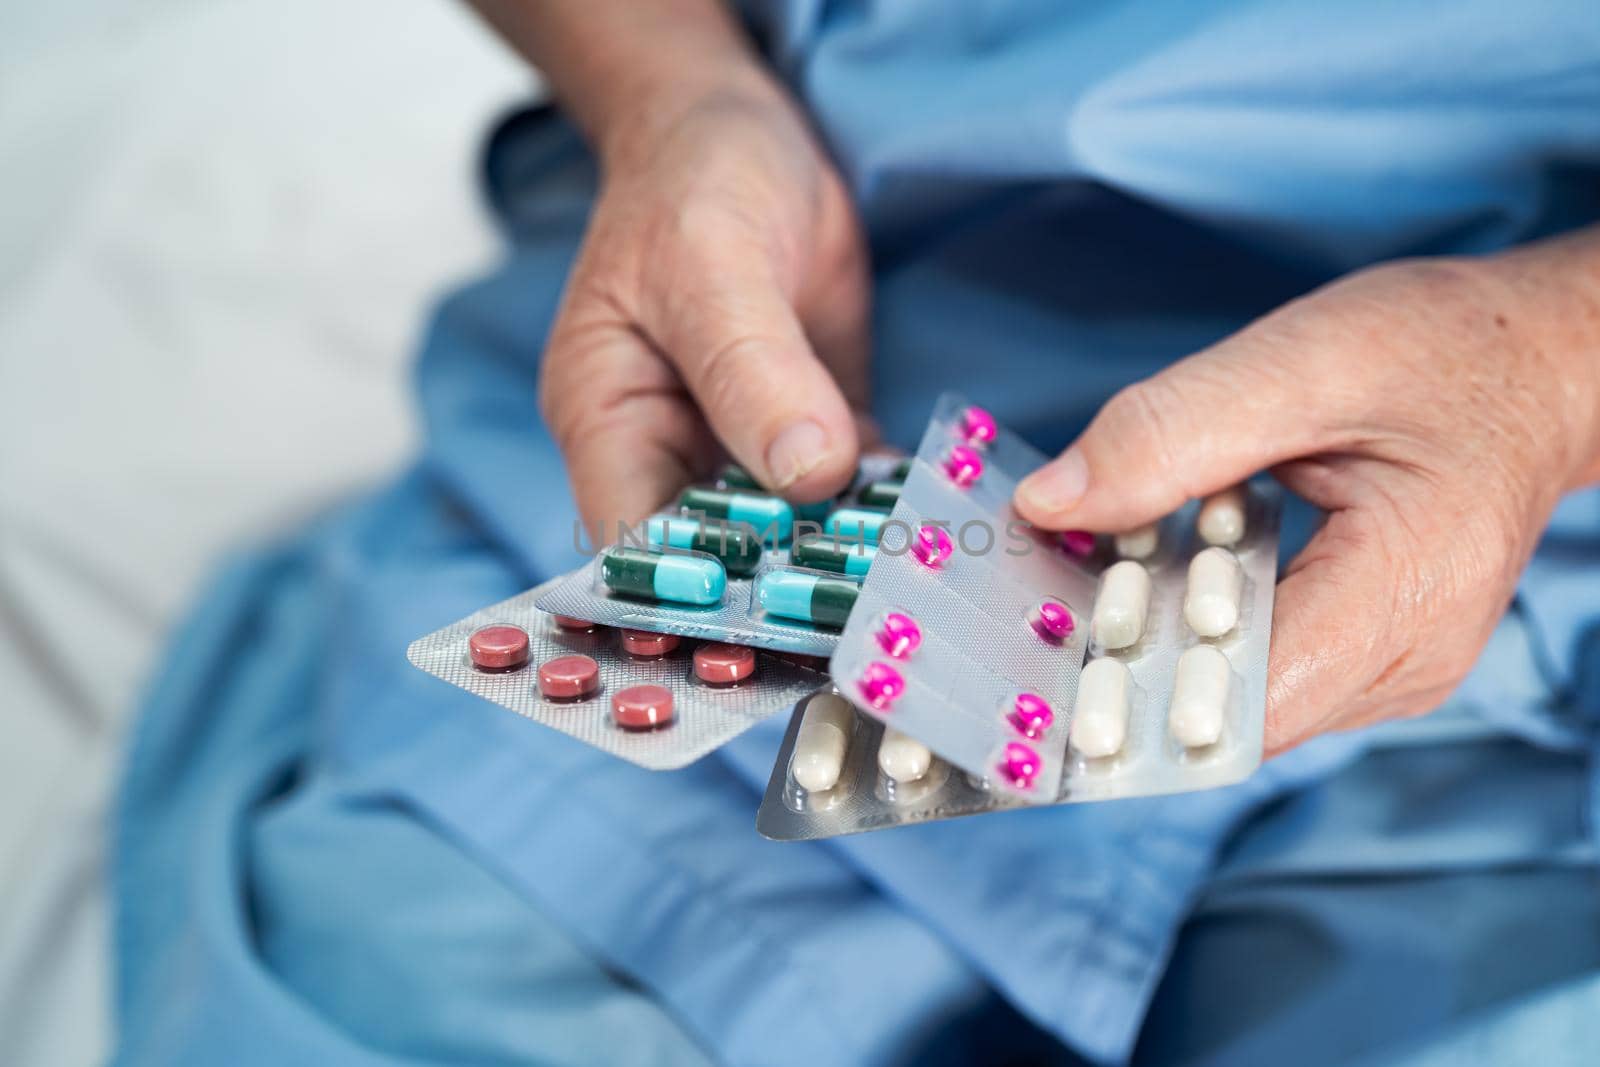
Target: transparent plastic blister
x,y
736,612
949,687
705,716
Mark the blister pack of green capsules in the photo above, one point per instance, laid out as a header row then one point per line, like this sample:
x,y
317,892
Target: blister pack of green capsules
x,y
732,563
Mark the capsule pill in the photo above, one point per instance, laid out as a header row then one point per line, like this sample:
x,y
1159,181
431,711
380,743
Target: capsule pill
x,y
860,524
792,594
842,557
883,494
1221,520
901,757
1215,591
737,548
1139,543
772,516
1100,717
1199,697
822,742
683,579
1121,606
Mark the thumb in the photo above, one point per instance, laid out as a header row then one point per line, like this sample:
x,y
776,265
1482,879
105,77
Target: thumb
x,y
1199,426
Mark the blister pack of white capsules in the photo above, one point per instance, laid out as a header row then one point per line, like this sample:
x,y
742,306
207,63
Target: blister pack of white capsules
x,y
733,563
656,700
1159,685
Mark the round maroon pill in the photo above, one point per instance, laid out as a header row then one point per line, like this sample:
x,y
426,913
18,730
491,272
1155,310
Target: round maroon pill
x,y
646,644
569,677
498,647
719,664
642,707
567,622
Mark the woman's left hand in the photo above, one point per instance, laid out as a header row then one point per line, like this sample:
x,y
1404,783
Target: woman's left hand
x,y
1435,409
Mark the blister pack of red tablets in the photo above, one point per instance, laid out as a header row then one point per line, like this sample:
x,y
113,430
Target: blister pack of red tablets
x,y
657,700
1011,666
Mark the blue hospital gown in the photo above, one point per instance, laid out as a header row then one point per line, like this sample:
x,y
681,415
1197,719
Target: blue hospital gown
x,y
324,856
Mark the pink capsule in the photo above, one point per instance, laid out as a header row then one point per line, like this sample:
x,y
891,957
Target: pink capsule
x,y
899,636
1078,543
880,685
977,426
1052,621
1031,715
962,465
1020,765
932,546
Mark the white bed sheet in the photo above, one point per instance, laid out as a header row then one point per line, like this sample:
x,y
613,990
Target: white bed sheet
x,y
222,225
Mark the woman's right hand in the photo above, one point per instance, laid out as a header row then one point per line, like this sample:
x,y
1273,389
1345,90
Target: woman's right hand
x,y
720,298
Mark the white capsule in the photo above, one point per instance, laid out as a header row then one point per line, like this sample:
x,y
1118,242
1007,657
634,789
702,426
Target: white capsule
x,y
1221,518
1100,716
1216,587
1121,605
1140,543
822,741
903,758
1199,697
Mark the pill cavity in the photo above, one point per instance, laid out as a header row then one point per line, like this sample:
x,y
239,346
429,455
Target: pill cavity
x,y
902,758
1121,606
803,597
772,516
716,663
855,524
842,557
899,635
642,707
1199,697
647,645
822,742
499,647
1030,715
737,547
1140,543
683,579
1100,717
932,546
962,465
1052,621
880,685
1222,517
978,426
1019,765
1077,543
1214,593
569,678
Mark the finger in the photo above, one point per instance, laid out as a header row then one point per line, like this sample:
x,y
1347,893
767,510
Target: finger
x,y
629,432
740,349
1201,425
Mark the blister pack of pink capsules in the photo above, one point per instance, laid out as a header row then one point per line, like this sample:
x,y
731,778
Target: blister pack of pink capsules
x,y
657,700
1010,666
731,562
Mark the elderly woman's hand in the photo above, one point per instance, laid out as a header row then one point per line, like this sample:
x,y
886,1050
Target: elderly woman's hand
x,y
1435,409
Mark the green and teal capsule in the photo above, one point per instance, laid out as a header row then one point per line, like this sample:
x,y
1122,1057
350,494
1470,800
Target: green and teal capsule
x,y
733,476
883,494
771,516
738,548
791,594
681,579
856,523
902,470
841,557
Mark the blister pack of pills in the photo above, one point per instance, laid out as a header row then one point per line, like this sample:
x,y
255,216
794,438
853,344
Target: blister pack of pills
x,y
969,644
657,700
733,563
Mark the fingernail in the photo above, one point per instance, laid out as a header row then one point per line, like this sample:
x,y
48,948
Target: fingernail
x,y
796,452
1058,485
